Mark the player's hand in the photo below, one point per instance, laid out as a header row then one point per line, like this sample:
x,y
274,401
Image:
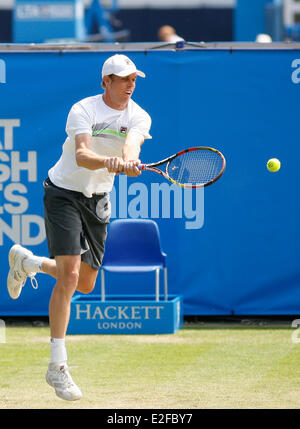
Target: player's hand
x,y
114,164
130,168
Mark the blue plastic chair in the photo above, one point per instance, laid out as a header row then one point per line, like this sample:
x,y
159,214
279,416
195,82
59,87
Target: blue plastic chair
x,y
133,246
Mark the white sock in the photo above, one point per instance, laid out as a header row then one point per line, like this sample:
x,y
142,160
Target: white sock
x,y
58,351
33,264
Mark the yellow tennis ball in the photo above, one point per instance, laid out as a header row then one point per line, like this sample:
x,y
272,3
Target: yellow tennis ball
x,y
273,165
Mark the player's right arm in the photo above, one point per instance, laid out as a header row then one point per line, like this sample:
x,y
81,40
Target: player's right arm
x,y
87,158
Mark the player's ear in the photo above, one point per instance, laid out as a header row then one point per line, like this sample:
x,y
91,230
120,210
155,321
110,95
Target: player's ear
x,y
106,81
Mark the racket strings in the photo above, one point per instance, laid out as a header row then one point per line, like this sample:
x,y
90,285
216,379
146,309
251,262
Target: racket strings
x,y
195,167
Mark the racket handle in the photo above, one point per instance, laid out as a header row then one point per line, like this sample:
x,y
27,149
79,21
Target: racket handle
x,y
140,167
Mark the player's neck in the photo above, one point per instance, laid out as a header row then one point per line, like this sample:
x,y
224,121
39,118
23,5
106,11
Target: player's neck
x,y
114,104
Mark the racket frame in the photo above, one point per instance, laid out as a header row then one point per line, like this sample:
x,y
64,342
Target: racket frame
x,y
153,167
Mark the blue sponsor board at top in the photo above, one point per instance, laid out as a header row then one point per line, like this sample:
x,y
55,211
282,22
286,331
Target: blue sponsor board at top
x,y
42,20
125,315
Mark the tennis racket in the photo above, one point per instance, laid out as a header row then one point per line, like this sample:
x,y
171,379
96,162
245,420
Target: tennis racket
x,y
196,167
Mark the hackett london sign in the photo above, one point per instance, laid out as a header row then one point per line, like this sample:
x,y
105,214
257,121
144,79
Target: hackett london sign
x,y
118,312
124,315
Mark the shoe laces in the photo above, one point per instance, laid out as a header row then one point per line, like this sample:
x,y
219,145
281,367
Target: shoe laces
x,y
33,281
66,377
21,277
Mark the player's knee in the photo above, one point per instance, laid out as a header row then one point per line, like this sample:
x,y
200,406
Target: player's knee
x,y
68,280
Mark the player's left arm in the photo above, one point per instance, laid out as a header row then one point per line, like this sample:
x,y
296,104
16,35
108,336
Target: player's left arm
x,y
131,152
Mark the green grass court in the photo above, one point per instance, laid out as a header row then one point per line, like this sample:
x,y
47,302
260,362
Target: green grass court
x,y
205,365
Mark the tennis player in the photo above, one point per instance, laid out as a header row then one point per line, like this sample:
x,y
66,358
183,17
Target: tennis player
x,y
104,137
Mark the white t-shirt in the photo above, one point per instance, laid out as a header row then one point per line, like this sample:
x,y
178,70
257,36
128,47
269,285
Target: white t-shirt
x,y
108,128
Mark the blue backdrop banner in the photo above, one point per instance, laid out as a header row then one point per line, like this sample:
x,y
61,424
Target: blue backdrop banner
x,y
231,249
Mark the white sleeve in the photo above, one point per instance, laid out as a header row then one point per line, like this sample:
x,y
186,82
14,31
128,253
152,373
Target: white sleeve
x,y
141,123
79,121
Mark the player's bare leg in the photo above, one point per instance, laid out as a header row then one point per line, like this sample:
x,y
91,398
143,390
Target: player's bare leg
x,y
58,376
87,275
35,264
67,275
71,274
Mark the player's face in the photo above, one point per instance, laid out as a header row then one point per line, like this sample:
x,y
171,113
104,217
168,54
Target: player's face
x,y
120,89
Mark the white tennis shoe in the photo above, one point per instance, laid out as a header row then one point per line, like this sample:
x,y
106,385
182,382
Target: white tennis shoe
x,y
59,377
17,275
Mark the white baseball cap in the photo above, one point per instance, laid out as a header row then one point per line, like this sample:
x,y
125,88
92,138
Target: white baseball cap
x,y
120,65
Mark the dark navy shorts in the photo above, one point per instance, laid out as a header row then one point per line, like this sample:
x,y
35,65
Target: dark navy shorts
x,y
75,224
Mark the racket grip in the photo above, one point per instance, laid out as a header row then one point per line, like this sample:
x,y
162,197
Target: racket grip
x,y
140,167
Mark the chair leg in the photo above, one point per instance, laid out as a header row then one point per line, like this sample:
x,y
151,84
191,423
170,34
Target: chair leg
x,y
166,283
157,284
102,286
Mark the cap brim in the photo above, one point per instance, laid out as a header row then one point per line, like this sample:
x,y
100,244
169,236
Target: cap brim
x,y
130,71
140,73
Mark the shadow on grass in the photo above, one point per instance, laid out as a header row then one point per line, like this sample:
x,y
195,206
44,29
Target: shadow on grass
x,y
190,322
